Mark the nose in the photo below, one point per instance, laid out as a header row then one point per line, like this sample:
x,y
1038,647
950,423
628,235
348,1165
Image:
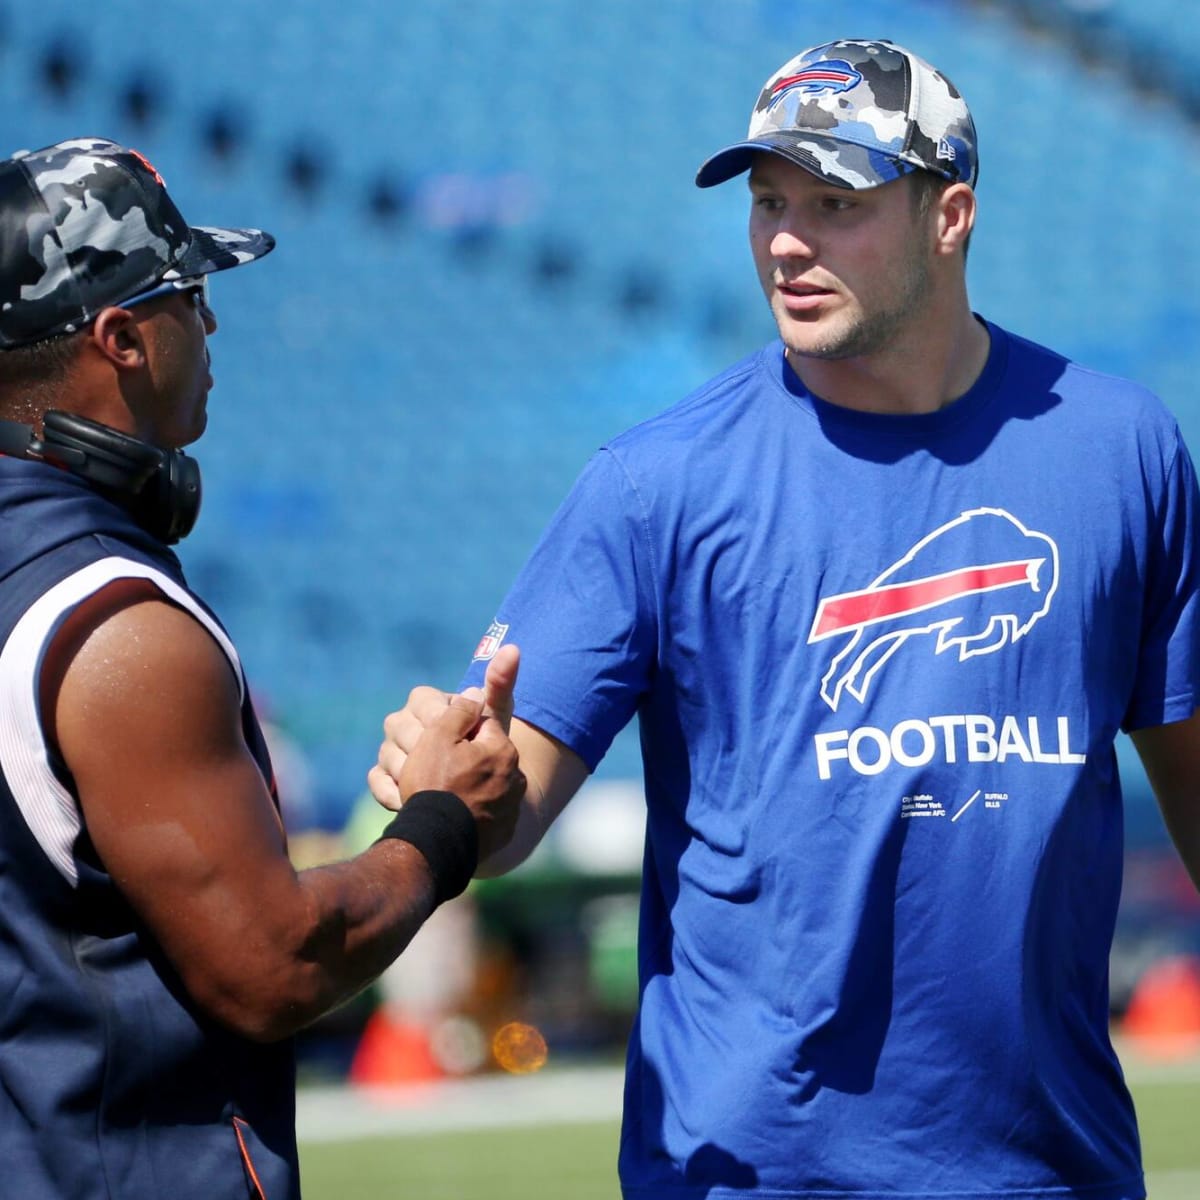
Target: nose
x,y
791,242
209,318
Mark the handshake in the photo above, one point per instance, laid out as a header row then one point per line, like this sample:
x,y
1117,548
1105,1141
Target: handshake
x,y
443,742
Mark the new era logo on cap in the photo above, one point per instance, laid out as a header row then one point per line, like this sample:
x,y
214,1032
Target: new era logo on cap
x,y
858,114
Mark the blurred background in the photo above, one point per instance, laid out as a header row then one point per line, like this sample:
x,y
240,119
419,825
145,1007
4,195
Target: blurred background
x,y
491,259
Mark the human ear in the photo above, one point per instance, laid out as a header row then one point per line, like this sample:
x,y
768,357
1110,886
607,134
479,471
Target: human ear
x,y
115,335
956,218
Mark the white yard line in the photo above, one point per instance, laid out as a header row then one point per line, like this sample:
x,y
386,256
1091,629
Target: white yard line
x,y
565,1096
331,1114
1142,1068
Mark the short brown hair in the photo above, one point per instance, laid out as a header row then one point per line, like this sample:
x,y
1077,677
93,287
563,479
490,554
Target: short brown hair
x,y
31,376
926,188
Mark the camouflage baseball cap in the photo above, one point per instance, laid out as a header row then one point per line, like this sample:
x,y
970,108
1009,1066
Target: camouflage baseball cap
x,y
86,224
857,114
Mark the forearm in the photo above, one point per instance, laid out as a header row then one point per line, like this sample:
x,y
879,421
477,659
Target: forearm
x,y
314,942
1171,756
531,828
364,913
1182,818
553,774
327,932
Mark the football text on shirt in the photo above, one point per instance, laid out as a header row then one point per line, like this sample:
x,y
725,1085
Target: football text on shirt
x,y
969,738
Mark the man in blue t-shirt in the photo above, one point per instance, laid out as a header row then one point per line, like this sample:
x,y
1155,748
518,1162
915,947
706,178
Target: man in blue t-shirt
x,y
881,597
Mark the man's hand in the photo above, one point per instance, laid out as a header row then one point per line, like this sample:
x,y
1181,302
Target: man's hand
x,y
552,770
465,751
457,744
403,728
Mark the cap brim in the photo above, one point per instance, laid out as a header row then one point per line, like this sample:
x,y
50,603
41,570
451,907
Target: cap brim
x,y
841,163
215,249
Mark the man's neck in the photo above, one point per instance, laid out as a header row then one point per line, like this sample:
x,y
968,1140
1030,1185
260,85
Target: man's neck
x,y
920,373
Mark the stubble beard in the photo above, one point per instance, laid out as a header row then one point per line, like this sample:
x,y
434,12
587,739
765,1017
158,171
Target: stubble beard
x,y
868,333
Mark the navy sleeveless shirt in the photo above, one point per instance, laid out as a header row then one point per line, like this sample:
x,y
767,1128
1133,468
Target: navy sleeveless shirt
x,y
112,1082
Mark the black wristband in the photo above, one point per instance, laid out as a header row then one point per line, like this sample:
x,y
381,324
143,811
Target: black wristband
x,y
441,827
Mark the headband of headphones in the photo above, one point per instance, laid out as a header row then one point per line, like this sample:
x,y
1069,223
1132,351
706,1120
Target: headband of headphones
x,y
159,488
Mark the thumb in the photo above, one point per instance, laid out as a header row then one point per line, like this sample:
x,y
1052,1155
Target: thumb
x,y
498,685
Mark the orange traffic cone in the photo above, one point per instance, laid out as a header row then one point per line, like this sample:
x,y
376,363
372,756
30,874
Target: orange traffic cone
x,y
1163,1017
391,1052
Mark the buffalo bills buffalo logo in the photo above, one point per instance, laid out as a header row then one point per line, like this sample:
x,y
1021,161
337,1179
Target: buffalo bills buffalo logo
x,y
979,582
832,76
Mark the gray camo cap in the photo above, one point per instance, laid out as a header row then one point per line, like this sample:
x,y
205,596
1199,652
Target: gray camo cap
x,y
86,224
857,114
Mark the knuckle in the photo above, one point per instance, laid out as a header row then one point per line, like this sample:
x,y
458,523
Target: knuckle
x,y
391,757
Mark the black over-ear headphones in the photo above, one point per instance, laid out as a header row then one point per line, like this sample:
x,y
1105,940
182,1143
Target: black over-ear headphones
x,y
159,488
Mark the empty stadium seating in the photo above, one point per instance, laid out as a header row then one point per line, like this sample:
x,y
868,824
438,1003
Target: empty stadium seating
x,y
491,258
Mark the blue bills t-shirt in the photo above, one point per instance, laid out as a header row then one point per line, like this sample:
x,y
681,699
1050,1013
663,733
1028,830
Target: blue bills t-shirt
x,y
878,663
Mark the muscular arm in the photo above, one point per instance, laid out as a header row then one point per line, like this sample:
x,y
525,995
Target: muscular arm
x,y
1171,756
148,720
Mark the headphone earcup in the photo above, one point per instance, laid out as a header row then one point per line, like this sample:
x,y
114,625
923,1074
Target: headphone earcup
x,y
170,500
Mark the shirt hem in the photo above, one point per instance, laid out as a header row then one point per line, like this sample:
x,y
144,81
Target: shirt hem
x,y
1133,1188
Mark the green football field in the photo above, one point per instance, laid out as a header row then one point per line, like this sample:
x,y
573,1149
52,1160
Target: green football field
x,y
577,1160
574,1162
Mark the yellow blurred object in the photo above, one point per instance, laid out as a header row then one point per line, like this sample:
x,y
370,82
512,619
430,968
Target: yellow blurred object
x,y
520,1049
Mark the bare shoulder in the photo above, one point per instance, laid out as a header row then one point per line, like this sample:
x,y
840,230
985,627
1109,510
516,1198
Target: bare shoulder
x,y
129,660
143,704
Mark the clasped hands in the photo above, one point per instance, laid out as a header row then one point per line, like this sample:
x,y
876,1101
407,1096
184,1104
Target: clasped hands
x,y
457,743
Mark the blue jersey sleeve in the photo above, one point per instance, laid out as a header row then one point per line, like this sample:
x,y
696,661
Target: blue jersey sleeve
x,y
582,611
1167,686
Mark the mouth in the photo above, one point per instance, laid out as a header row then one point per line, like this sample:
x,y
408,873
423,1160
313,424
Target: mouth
x,y
803,297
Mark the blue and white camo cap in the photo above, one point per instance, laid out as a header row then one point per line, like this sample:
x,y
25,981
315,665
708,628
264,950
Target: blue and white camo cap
x,y
86,224
857,114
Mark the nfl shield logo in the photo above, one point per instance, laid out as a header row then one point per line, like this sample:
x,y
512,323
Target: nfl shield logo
x,y
490,642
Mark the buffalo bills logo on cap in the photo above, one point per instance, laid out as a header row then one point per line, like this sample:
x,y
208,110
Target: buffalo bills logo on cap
x,y
833,75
